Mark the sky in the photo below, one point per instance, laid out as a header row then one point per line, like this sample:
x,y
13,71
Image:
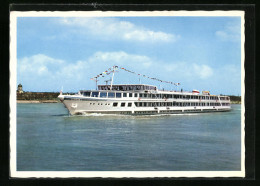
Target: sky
x,y
202,53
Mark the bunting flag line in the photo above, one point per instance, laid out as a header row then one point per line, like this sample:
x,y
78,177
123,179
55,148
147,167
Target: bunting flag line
x,y
112,69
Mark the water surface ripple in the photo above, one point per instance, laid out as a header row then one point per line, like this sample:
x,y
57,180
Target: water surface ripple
x,y
50,140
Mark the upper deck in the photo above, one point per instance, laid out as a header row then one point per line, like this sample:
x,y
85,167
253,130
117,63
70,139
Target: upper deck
x,y
145,91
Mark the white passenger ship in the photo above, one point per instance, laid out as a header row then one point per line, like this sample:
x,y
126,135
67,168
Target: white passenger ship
x,y
141,99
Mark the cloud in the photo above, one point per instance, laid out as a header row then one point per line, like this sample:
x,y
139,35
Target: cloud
x,y
202,71
112,28
43,73
188,70
38,64
121,58
231,32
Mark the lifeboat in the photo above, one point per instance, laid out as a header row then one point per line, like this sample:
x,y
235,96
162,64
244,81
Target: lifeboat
x,y
205,92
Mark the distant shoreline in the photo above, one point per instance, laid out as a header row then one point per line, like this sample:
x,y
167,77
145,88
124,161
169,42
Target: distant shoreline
x,y
37,101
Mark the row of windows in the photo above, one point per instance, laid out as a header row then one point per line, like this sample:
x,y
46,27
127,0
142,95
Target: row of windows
x,y
99,103
144,95
115,104
165,104
225,104
123,104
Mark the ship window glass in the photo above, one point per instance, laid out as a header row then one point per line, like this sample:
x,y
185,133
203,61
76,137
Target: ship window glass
x,y
140,95
94,94
111,94
145,104
135,94
153,95
129,104
145,95
103,94
115,104
124,94
130,95
86,94
118,95
122,104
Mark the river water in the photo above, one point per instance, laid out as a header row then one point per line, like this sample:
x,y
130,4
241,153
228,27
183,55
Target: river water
x,y
50,140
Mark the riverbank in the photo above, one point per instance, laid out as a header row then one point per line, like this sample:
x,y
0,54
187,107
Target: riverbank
x,y
235,102
37,101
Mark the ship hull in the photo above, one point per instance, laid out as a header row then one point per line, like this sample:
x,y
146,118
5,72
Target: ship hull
x,y
79,107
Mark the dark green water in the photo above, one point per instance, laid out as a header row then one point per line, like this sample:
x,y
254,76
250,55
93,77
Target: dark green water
x,y
49,140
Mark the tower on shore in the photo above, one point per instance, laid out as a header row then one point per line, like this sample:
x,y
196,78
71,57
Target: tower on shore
x,y
20,89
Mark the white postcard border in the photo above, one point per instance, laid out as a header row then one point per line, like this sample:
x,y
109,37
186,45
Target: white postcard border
x,y
115,174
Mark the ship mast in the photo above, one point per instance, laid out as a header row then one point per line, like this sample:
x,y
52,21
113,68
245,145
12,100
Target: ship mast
x,y
112,77
96,82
